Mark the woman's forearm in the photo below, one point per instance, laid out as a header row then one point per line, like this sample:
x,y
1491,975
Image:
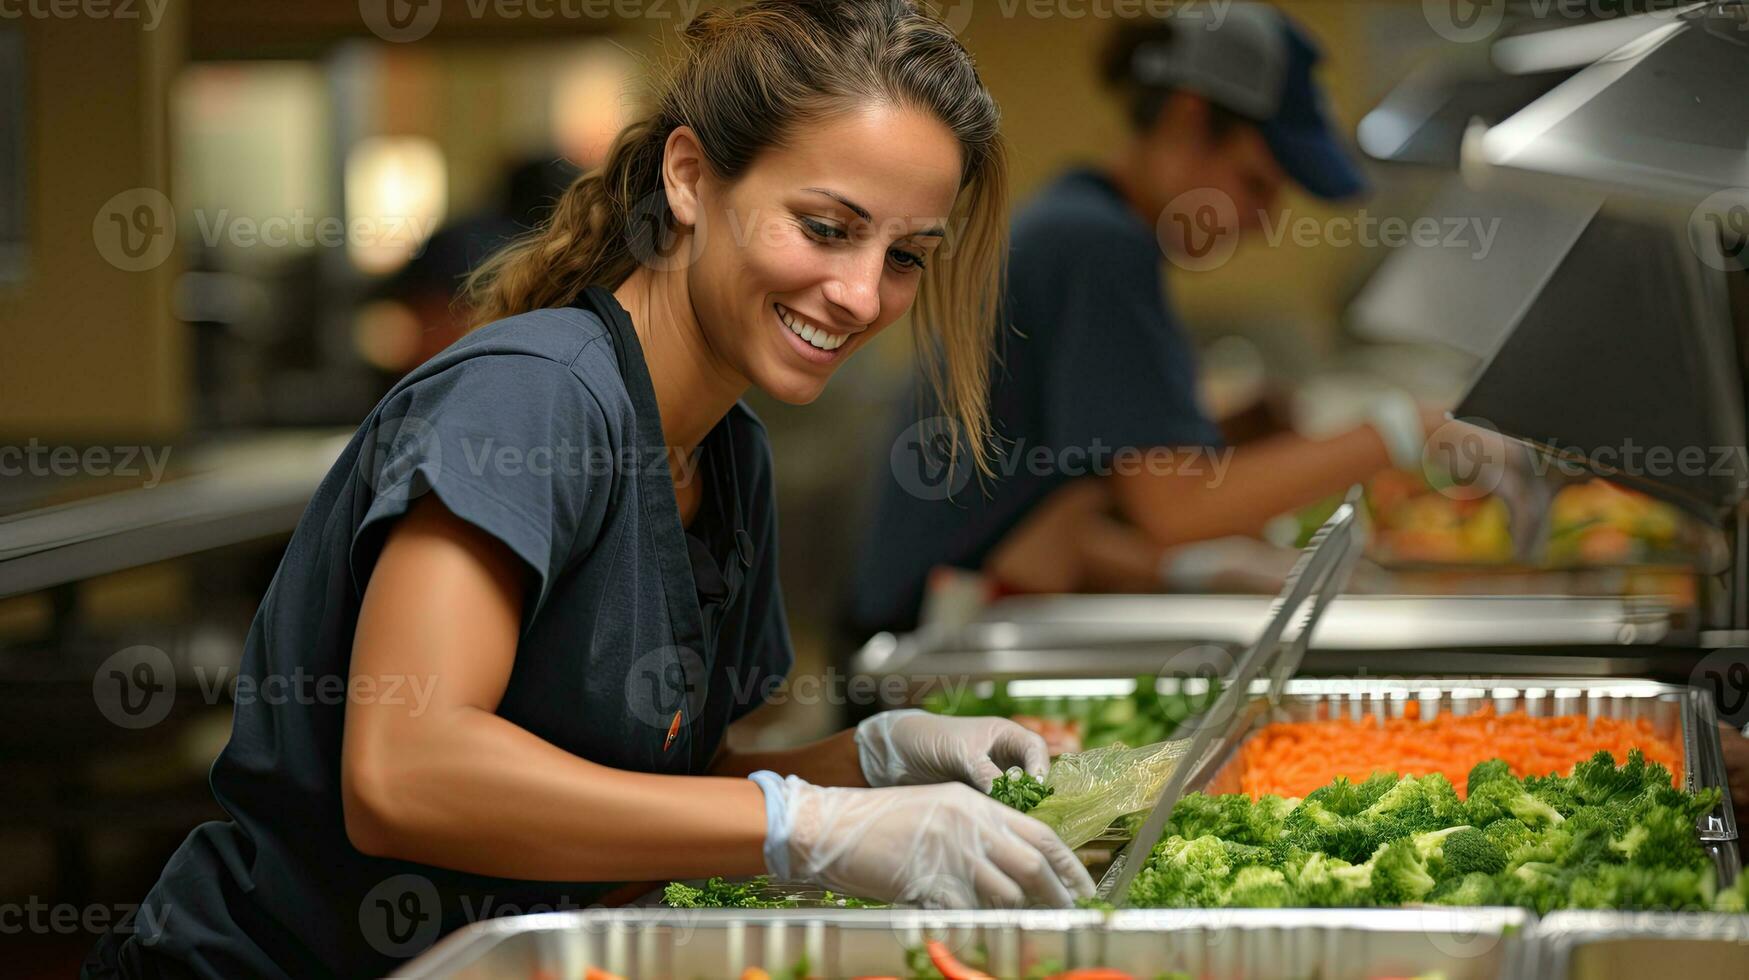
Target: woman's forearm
x,y
474,792
1265,479
832,761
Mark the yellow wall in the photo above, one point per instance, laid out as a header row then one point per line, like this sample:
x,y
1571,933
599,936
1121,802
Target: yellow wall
x,y
88,350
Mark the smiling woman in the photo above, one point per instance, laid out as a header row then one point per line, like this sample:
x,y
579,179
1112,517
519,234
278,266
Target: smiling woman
x,y
581,637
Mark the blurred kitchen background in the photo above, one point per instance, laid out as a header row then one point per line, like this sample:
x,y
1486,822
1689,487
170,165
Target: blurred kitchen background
x,y
137,309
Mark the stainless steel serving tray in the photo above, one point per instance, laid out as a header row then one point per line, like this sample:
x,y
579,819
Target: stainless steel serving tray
x,y
1126,635
1267,944
1611,945
1683,715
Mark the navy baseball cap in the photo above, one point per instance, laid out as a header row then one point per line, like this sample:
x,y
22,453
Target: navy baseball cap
x,y
1257,62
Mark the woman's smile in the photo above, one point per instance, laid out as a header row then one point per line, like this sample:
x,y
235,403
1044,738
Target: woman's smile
x,y
814,343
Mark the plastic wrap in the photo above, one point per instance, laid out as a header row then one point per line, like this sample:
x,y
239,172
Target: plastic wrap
x,y
1091,789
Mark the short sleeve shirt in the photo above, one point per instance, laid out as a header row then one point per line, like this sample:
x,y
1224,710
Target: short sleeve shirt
x,y
641,640
1093,361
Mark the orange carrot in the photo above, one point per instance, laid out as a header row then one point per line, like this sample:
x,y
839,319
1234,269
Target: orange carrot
x,y
1294,758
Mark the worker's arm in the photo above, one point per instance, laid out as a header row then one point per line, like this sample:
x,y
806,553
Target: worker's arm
x,y
1263,480
832,761
456,786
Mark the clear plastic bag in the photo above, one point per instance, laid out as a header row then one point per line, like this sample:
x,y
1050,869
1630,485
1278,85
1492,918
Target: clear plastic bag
x,y
1091,789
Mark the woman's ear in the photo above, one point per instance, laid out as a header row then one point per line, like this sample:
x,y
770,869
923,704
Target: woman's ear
x,y
683,171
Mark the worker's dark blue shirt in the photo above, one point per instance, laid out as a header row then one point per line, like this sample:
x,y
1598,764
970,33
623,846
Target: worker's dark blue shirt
x,y
641,640
1093,361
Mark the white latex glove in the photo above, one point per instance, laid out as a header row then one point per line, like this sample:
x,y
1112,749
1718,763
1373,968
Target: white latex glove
x,y
913,746
941,846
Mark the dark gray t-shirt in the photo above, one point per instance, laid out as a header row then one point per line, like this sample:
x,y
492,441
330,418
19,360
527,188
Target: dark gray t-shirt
x,y
1094,362
641,640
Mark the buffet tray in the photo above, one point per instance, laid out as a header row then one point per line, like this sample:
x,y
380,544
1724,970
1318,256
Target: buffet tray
x,y
1125,635
1683,715
1585,945
1237,944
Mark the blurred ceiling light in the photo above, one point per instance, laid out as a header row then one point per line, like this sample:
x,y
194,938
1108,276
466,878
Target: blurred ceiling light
x,y
1576,47
588,106
396,187
386,335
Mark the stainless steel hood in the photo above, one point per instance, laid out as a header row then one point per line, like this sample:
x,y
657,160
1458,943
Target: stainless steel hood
x,y
1666,114
1627,362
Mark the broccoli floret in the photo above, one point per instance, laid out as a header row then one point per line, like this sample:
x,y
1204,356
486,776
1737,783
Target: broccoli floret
x,y
1497,799
1414,805
1551,789
1633,887
1510,833
1490,771
1201,815
1475,888
1313,826
1265,820
1471,851
1399,874
1019,789
1349,798
1183,874
1662,837
1599,782
1322,881
1734,899
1535,885
1261,888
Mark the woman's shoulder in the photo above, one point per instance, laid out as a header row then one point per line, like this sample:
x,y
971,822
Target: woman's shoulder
x,y
541,348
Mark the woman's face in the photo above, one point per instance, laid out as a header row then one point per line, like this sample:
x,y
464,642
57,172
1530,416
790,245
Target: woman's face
x,y
821,244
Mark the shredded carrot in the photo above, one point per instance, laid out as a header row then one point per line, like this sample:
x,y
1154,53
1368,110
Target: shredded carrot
x,y
1294,758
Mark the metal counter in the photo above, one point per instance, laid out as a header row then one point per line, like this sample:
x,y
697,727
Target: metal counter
x,y
1332,944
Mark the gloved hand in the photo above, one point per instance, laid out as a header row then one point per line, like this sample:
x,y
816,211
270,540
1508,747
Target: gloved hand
x,y
941,846
912,746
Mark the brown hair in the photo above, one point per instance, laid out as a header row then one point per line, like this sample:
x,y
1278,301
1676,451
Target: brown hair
x,y
745,78
1143,101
